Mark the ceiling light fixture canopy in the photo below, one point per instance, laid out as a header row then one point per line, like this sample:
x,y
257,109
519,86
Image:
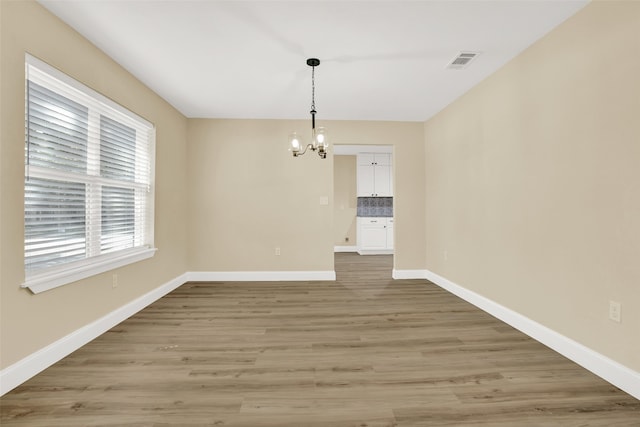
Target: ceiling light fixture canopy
x,y
318,135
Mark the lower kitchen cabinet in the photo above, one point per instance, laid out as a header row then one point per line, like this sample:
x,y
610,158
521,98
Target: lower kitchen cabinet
x,y
375,235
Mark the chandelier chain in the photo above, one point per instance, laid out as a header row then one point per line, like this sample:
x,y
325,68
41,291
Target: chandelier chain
x,y
313,89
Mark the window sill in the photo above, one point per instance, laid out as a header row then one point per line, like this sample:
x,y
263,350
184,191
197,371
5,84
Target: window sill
x,y
45,281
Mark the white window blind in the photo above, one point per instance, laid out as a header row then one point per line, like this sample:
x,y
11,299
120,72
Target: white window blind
x,y
88,181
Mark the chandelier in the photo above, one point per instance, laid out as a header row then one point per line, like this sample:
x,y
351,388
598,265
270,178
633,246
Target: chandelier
x,y
318,135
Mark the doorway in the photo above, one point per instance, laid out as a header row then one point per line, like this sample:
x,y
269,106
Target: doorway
x,y
353,211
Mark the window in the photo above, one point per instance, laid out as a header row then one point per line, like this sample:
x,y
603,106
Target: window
x,y
88,181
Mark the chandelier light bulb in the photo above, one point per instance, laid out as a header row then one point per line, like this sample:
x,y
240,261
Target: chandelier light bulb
x,y
320,137
294,143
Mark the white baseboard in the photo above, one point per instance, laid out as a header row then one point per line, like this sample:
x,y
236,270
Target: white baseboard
x,y
345,248
375,251
259,276
619,375
14,375
408,274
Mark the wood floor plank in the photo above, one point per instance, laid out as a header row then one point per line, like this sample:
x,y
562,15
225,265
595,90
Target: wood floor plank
x,y
364,351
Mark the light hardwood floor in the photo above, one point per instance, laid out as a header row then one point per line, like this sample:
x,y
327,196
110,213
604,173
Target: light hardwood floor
x,y
362,351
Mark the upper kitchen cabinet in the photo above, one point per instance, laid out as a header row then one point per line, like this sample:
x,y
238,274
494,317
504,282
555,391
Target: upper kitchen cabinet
x,y
374,175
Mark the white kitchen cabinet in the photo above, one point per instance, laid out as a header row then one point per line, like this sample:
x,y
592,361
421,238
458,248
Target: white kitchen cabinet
x,y
375,235
374,175
382,159
390,234
365,181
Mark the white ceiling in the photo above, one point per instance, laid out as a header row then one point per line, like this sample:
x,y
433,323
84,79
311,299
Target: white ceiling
x,y
380,60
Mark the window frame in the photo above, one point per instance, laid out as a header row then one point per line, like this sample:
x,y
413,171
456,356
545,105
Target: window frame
x,y
54,276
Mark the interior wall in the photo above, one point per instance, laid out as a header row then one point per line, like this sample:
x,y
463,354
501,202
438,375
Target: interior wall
x,y
248,195
345,206
30,322
532,182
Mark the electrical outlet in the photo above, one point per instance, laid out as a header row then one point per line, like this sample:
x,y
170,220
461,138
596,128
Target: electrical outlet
x,y
277,251
615,311
114,281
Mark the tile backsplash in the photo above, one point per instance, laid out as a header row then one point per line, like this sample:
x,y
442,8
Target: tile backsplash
x,y
375,206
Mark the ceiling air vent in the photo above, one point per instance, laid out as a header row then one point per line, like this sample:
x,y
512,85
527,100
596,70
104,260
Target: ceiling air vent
x,y
462,60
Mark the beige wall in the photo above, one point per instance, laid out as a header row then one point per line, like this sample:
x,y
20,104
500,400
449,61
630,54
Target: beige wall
x,y
532,182
30,322
345,200
248,195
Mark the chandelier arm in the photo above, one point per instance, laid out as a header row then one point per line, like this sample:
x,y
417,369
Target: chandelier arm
x,y
301,153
